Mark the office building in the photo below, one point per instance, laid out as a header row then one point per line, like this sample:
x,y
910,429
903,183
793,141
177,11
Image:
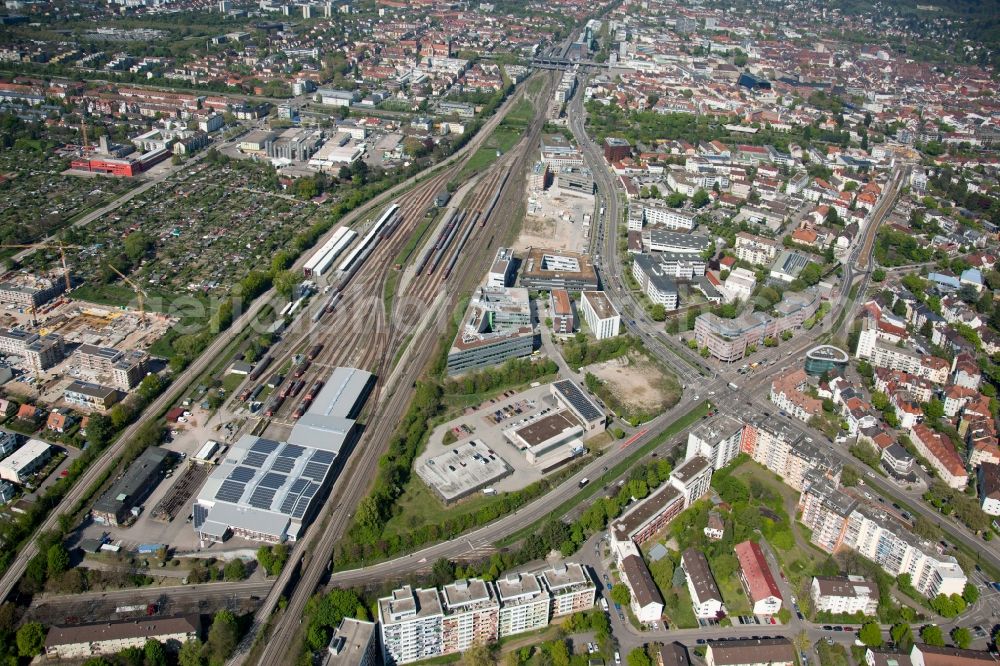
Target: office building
x,y
616,149
501,273
600,314
728,339
660,289
659,214
825,358
739,284
705,595
81,641
572,397
497,327
844,595
675,242
120,502
544,270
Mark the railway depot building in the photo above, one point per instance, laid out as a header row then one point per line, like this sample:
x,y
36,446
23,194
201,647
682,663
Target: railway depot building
x,y
268,491
116,505
497,327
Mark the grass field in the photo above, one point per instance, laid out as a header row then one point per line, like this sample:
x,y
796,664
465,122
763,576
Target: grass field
x,y
502,139
418,506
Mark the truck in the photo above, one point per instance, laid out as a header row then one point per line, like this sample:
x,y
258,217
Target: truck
x,y
734,386
149,548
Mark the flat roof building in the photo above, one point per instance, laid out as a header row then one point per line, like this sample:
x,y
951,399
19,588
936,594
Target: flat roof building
x,y
572,397
600,314
550,269
40,352
139,479
265,490
524,603
462,470
411,624
354,643
571,588
497,327
25,461
825,358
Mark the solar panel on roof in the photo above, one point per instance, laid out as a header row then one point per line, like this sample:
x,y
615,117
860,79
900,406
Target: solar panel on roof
x,y
264,446
272,480
288,503
200,513
242,474
315,471
578,400
283,465
292,451
300,507
298,485
230,491
255,459
311,490
323,457
261,498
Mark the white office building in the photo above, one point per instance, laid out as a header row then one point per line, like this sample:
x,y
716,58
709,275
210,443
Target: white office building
x,y
600,314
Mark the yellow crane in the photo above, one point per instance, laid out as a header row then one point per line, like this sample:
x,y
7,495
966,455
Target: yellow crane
x,y
48,246
139,293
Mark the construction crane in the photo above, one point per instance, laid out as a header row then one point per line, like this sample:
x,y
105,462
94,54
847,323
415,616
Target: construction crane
x,y
48,246
139,293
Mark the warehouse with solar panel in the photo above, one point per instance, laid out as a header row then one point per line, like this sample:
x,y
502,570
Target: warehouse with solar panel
x,y
268,491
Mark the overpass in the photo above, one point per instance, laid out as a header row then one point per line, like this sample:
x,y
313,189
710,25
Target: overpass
x,y
565,63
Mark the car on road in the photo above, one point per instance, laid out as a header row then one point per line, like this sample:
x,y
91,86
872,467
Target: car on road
x,y
618,657
700,641
838,628
827,627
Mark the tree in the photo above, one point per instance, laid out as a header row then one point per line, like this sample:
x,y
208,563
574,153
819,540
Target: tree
x,y
285,283
154,653
638,657
878,275
58,559
871,634
658,312
222,636
931,634
902,636
961,637
137,245
970,594
191,654
30,639
700,198
478,655
620,595
235,570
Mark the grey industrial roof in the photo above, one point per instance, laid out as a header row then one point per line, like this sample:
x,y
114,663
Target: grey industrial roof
x,y
329,420
136,476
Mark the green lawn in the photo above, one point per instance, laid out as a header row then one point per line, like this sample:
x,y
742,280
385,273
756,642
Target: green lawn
x,y
418,505
503,139
535,85
520,114
231,381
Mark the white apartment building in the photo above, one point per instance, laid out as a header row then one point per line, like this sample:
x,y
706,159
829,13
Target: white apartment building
x,y
692,478
636,217
844,594
411,623
570,587
660,288
756,250
25,461
524,603
600,314
471,615
717,440
658,213
739,285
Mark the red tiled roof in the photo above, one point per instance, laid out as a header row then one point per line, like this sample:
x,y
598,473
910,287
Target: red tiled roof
x,y
756,572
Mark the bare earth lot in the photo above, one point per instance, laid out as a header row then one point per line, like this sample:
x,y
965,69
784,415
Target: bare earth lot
x,y
638,385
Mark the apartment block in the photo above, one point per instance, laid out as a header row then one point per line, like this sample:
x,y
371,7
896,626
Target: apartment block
x,y
40,352
941,454
654,281
844,594
692,479
757,579
756,250
524,603
658,213
785,451
471,615
570,587
787,394
412,625
125,369
717,440
561,308
600,314
825,511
